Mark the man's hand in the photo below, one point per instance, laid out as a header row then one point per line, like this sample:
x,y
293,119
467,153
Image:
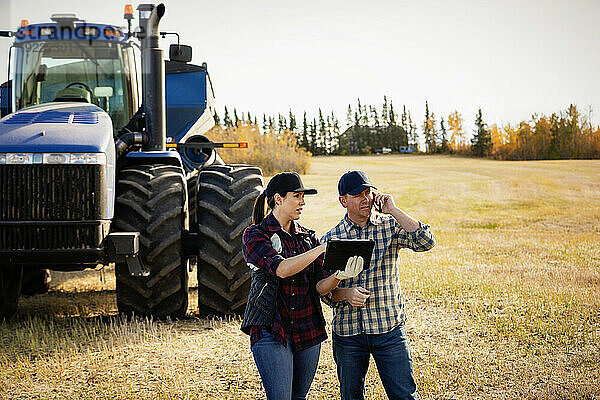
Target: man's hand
x,y
356,296
384,203
354,266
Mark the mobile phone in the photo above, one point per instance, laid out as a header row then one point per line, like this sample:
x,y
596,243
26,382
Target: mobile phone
x,y
376,204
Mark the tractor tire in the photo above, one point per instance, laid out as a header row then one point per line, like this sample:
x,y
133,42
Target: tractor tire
x,y
35,281
10,288
192,190
225,200
151,200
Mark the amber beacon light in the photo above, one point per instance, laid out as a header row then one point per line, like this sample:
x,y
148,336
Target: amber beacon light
x,y
128,13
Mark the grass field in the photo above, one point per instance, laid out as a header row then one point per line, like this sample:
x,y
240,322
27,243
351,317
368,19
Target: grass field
x,y
507,305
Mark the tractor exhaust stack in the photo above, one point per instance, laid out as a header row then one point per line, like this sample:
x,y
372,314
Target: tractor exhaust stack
x,y
153,76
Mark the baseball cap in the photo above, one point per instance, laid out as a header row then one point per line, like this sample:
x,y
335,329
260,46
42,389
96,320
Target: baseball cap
x,y
287,182
354,182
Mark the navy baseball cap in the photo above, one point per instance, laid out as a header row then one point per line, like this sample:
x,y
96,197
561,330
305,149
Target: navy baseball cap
x,y
287,182
354,182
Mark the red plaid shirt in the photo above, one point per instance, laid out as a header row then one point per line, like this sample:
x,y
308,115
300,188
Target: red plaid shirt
x,y
297,318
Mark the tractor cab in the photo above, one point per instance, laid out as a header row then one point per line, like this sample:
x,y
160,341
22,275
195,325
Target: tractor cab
x,y
73,61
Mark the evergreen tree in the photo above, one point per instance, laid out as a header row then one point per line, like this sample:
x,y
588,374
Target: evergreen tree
x,y
377,134
357,134
393,134
322,134
413,134
481,144
554,137
392,115
313,137
374,116
321,145
216,118
271,124
292,126
282,124
344,139
226,119
305,133
445,145
432,146
571,133
235,116
330,138
358,114
427,129
385,111
364,115
265,123
349,118
404,128
335,132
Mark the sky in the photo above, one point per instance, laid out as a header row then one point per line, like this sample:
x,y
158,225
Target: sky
x,y
512,59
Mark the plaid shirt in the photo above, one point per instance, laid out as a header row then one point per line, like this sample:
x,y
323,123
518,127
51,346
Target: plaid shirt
x,y
297,317
384,309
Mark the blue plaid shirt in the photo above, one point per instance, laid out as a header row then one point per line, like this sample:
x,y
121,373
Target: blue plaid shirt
x,y
384,309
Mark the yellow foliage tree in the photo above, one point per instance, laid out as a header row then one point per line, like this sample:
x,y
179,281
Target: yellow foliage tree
x,y
499,139
497,136
457,135
272,151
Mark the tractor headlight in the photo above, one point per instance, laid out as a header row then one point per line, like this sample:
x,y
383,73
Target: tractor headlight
x,y
88,158
19,158
53,158
47,31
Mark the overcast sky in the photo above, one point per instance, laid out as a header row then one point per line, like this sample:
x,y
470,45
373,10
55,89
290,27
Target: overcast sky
x,y
511,58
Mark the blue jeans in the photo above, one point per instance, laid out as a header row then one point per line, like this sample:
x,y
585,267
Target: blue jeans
x,y
285,375
392,357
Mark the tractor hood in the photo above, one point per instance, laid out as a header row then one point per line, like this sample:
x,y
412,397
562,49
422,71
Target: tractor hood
x,y
57,127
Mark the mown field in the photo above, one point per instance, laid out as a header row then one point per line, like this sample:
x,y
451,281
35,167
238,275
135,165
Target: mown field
x,y
507,305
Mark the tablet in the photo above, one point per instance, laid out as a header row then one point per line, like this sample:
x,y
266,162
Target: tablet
x,y
339,250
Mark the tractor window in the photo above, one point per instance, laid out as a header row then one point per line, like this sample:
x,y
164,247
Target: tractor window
x,y
96,72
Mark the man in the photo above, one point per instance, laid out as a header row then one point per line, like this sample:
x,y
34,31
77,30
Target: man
x,y
368,309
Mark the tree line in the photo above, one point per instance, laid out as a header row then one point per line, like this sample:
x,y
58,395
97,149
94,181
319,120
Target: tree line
x,y
563,135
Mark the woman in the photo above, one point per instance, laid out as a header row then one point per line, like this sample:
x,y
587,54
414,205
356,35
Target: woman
x,y
283,316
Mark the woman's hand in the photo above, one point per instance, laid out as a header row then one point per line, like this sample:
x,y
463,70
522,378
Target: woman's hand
x,y
276,242
322,247
354,266
292,265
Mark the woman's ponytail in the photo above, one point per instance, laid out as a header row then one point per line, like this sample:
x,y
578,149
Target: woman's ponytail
x,y
258,214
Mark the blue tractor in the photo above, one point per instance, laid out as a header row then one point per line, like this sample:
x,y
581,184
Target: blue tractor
x,y
94,170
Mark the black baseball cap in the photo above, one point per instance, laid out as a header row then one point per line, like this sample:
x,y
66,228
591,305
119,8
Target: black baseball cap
x,y
354,182
287,182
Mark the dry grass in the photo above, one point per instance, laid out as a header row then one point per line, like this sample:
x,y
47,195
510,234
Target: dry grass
x,y
505,306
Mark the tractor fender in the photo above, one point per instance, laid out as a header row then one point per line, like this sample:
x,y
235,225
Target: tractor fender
x,y
151,158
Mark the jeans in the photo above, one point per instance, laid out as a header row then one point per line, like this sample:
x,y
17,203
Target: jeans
x,y
285,375
392,357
